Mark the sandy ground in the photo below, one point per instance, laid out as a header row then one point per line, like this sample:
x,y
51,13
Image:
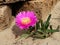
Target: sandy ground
x,y
8,36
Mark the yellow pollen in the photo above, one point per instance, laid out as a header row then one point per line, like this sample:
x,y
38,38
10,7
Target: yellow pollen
x,y
25,20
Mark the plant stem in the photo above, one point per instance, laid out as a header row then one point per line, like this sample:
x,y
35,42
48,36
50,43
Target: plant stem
x,y
35,28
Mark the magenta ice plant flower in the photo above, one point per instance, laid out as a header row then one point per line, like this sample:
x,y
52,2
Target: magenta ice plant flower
x,y
25,19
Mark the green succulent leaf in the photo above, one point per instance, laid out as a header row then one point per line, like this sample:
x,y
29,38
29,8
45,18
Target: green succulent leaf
x,y
42,25
37,25
39,36
40,31
48,19
46,23
51,31
24,35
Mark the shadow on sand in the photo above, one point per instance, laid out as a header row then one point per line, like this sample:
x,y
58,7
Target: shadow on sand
x,y
17,31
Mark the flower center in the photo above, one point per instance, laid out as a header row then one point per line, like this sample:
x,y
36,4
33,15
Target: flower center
x,y
25,20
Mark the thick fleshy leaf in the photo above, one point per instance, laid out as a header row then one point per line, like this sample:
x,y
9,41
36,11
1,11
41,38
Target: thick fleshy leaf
x,y
48,19
24,35
37,25
51,31
46,23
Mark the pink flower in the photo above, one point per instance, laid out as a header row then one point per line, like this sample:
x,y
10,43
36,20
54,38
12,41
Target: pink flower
x,y
25,19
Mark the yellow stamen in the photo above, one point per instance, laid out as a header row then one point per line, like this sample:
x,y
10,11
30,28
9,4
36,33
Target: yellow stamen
x,y
25,20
